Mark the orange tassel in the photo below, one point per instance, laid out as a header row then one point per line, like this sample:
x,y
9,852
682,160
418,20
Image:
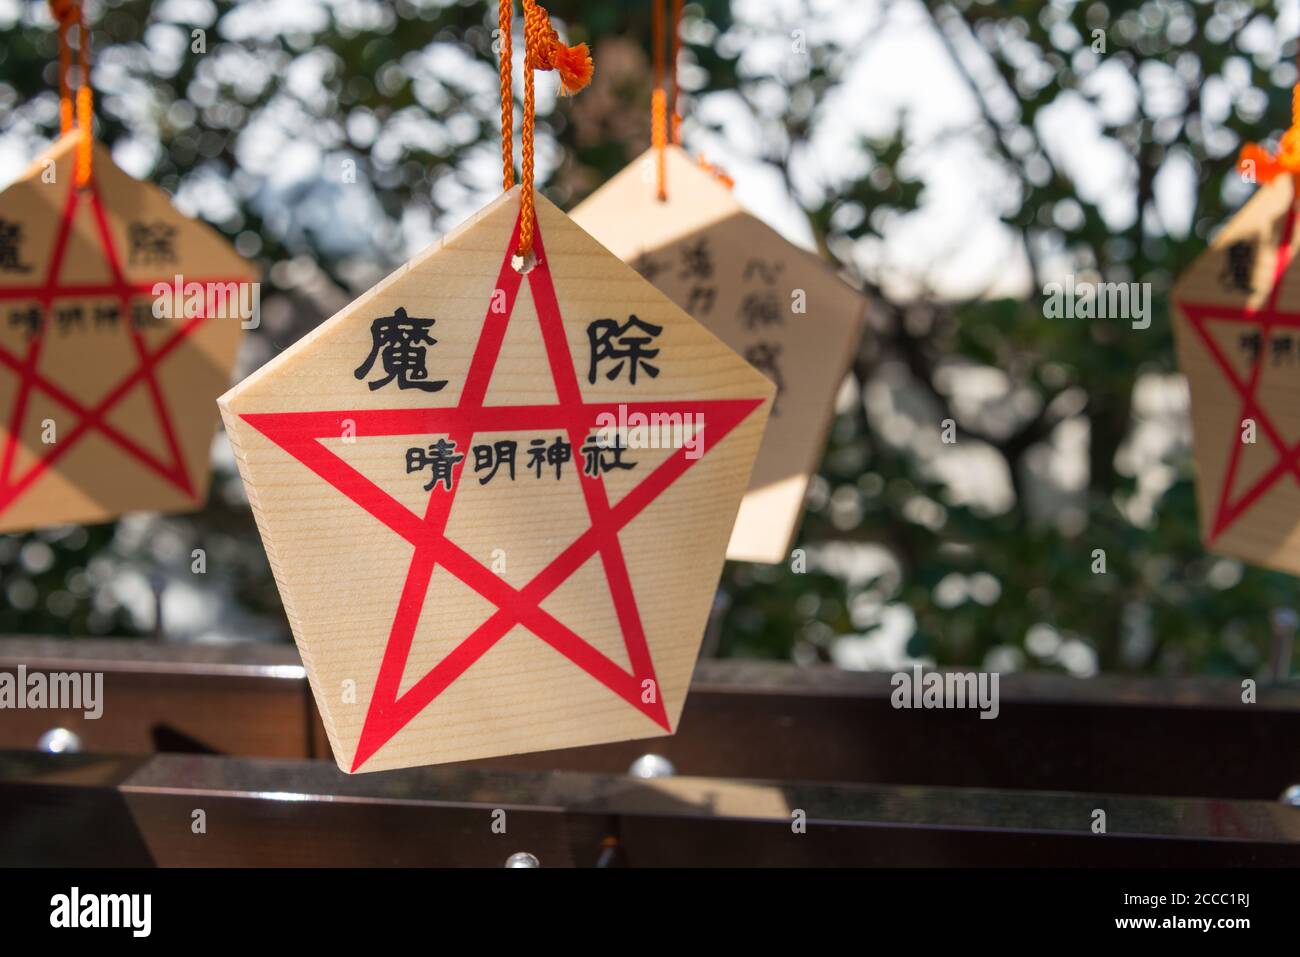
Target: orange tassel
x,y
575,67
542,51
547,52
1269,166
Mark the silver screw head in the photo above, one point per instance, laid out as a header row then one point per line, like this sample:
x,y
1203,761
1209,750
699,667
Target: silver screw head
x,y
522,859
652,766
59,741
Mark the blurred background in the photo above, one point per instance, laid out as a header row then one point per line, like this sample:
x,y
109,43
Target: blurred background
x,y
950,158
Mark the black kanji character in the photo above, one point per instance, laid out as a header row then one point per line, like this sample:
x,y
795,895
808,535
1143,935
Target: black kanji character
x,y
556,454
401,340
11,239
760,308
437,457
1281,348
493,457
599,457
765,270
152,243
69,316
143,316
649,267
1252,343
700,300
763,357
1239,266
604,333
29,320
697,261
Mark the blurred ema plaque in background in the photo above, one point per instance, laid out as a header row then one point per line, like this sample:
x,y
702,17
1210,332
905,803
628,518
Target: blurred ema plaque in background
x,y
781,308
120,318
1236,314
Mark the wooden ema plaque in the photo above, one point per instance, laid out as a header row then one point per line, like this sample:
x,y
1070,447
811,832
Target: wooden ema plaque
x,y
748,285
1237,325
478,552
106,403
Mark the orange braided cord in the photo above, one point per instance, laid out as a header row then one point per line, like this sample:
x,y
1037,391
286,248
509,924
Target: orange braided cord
x,y
507,96
65,11
659,138
68,13
527,214
659,102
543,51
85,145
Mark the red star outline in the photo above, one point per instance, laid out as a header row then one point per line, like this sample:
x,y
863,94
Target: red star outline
x,y
1266,317
90,418
297,433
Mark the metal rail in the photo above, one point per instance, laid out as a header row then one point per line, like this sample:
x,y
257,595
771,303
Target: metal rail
x,y
86,810
1116,735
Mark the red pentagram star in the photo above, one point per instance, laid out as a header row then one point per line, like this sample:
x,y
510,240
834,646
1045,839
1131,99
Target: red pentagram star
x,y
297,433
89,418
1266,317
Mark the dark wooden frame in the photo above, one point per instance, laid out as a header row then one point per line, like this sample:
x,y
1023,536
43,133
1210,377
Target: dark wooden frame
x,y
1186,773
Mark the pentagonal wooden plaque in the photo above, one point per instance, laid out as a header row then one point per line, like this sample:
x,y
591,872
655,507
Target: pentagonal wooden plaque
x,y
479,550
106,402
1236,318
778,306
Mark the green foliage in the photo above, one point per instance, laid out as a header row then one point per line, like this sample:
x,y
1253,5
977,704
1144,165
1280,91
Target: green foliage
x,y
1163,603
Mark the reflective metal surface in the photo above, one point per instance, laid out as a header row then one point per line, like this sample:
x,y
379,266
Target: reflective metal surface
x,y
307,812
